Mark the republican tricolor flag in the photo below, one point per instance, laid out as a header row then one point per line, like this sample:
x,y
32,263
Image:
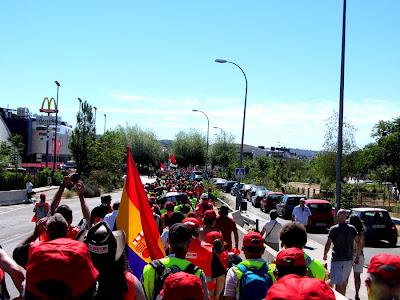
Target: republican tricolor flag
x,y
135,217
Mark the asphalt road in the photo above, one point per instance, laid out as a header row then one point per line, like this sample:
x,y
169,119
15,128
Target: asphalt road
x,y
16,225
369,252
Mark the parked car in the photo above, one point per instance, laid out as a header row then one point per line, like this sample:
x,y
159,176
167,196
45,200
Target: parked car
x,y
214,179
322,213
246,189
220,183
173,197
196,175
258,194
68,165
251,192
270,201
236,188
288,202
228,185
377,224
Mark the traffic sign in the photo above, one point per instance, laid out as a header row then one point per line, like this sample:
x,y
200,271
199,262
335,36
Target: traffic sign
x,y
240,173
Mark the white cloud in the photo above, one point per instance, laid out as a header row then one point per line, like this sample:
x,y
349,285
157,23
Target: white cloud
x,y
295,124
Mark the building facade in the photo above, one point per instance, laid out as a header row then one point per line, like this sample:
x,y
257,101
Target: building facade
x,y
38,133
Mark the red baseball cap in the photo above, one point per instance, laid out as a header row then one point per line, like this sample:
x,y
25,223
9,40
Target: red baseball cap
x,y
253,239
212,236
294,287
182,285
210,214
290,257
64,260
385,266
192,222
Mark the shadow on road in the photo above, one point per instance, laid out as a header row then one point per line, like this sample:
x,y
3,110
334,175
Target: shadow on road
x,y
380,244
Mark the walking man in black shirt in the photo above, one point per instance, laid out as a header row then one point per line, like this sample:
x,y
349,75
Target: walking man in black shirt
x,y
342,235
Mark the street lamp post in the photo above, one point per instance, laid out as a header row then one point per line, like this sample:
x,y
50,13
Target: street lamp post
x,y
79,136
223,132
340,121
222,61
105,123
95,115
55,134
239,198
208,131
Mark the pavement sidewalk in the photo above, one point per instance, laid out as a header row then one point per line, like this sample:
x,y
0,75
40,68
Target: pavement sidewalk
x,y
314,250
45,189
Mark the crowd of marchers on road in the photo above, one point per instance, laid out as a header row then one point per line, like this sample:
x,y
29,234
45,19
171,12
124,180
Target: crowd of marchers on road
x,y
203,259
315,214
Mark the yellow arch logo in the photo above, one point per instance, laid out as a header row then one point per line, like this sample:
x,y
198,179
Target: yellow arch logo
x,y
49,109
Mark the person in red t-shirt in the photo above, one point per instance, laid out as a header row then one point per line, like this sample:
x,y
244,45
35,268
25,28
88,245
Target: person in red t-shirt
x,y
227,226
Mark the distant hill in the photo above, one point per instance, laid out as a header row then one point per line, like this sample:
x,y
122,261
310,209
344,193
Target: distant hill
x,y
300,153
309,154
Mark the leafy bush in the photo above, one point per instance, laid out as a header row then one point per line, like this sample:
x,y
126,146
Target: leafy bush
x,y
91,190
12,181
68,194
41,177
106,180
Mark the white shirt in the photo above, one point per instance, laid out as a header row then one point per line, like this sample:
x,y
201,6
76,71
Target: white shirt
x,y
110,219
164,238
29,187
301,215
272,227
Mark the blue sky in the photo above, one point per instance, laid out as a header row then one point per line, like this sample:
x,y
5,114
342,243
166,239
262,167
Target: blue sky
x,y
151,62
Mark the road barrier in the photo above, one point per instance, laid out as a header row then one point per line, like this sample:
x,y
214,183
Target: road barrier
x,y
13,197
270,253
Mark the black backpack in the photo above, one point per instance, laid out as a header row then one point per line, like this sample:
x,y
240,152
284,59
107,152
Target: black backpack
x,y
163,272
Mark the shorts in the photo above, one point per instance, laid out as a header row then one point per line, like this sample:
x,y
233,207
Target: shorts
x,y
340,271
358,268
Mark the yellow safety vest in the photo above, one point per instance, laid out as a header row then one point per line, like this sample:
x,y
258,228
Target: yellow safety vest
x,y
149,273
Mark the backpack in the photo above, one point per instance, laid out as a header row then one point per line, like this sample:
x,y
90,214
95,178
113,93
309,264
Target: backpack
x,y
163,272
254,283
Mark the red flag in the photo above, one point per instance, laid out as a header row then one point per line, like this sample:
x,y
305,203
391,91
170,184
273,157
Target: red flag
x,y
172,159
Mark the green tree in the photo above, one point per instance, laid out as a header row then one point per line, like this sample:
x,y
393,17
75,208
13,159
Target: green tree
x,y
106,158
146,148
82,138
189,148
222,152
325,162
382,158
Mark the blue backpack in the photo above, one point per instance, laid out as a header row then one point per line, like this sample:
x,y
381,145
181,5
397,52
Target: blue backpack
x,y
254,283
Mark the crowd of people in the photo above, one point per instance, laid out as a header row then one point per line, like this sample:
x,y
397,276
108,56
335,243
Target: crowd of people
x,y
203,259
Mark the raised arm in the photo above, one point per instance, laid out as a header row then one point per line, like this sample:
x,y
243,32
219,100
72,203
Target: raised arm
x,y
57,197
80,189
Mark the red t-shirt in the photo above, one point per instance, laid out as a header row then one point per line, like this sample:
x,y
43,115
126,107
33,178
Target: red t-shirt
x,y
226,225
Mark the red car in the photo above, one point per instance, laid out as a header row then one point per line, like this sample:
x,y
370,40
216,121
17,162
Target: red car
x,y
270,201
322,214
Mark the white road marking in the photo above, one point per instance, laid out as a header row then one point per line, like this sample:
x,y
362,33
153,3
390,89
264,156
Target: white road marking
x,y
6,210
